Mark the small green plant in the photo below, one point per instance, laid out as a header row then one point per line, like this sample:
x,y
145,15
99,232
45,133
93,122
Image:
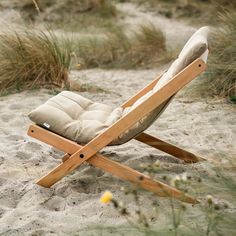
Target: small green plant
x,y
31,59
213,216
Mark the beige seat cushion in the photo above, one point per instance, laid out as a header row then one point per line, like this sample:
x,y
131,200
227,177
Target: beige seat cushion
x,y
75,117
80,119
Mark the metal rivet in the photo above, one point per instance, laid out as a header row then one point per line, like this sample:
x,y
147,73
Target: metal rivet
x,y
81,155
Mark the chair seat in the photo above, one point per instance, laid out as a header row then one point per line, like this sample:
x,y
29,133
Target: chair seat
x,y
79,119
75,117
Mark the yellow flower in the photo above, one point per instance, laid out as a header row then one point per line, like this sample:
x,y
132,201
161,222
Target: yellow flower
x,y
78,66
175,180
157,163
209,199
106,197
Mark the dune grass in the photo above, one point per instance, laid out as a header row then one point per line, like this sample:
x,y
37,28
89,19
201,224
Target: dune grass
x,y
32,59
195,11
82,16
69,15
222,61
144,47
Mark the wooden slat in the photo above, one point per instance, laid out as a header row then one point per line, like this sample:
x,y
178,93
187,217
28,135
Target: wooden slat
x,y
117,169
126,173
124,123
141,93
169,148
45,137
65,157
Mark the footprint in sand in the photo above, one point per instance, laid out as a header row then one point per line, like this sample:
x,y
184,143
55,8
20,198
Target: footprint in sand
x,y
41,232
34,225
73,201
9,189
85,184
23,155
93,171
2,181
15,106
6,117
55,203
32,146
1,160
15,137
1,212
63,190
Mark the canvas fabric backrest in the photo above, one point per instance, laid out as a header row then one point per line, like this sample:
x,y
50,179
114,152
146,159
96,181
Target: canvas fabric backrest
x,y
196,47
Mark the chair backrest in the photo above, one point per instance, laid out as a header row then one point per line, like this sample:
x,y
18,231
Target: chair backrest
x,y
196,47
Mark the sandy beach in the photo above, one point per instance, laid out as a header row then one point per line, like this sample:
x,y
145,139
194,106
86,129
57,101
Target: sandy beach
x,y
203,125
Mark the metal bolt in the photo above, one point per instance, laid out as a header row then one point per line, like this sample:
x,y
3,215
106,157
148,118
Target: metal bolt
x,y
81,155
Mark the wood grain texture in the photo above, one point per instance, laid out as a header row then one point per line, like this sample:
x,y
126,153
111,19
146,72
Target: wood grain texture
x,y
124,123
171,149
65,157
112,167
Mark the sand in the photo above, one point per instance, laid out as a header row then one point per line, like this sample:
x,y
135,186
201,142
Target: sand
x,y
203,125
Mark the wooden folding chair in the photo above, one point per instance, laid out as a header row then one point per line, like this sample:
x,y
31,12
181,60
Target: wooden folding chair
x,y
77,154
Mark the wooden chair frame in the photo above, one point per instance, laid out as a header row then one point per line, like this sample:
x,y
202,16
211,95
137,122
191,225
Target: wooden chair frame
x,y
77,154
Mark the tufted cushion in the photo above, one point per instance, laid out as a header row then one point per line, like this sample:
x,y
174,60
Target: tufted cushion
x,y
75,117
79,119
196,47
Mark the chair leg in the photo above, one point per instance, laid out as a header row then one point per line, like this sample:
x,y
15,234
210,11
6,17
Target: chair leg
x,y
124,123
60,143
117,169
127,173
171,149
65,157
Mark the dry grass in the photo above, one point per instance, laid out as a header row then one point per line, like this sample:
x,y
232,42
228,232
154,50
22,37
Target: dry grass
x,y
144,48
222,64
83,15
30,59
195,11
146,214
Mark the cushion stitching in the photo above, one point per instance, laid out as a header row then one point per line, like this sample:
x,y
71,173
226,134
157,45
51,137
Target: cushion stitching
x,y
77,102
60,107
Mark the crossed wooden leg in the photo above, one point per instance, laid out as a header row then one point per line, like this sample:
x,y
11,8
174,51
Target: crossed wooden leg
x,y
171,149
98,160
